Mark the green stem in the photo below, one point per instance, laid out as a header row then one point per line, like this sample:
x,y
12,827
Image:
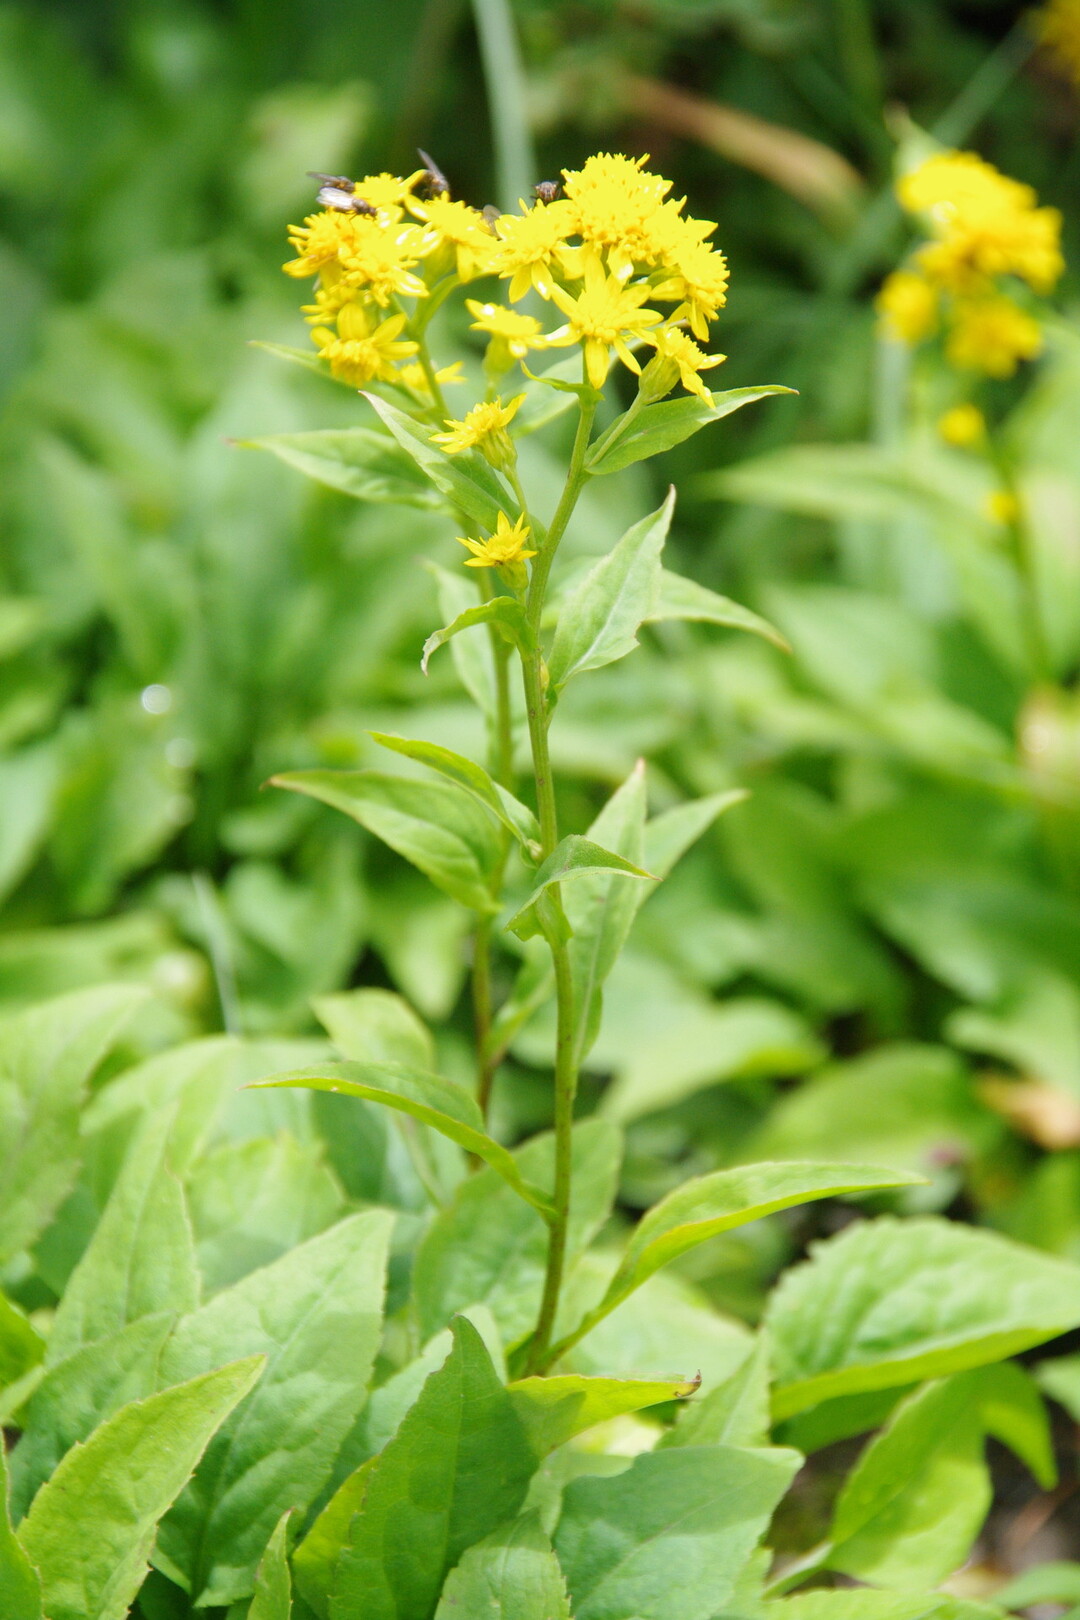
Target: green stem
x,y
433,382
1020,545
575,480
565,1090
507,94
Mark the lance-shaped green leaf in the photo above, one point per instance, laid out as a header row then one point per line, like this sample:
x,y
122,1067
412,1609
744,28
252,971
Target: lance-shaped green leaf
x,y
467,481
864,1604
681,598
512,1574
668,1538
574,857
458,1466
77,1394
308,358
438,827
91,1527
443,1104
735,1413
47,1054
141,1259
554,1409
358,461
504,612
316,1315
670,834
21,1345
273,1583
708,1205
892,1302
647,432
19,1581
516,817
599,621
315,1560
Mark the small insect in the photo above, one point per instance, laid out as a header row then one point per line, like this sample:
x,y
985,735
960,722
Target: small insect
x,y
547,190
491,214
338,192
437,183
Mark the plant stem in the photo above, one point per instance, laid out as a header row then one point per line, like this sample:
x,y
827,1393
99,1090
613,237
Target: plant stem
x,y
504,78
565,1090
575,480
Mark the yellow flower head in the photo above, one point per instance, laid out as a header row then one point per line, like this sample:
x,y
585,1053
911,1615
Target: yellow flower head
x,y
908,306
528,244
379,257
992,335
603,315
460,231
699,282
1001,506
387,192
678,356
613,202
484,429
517,333
319,241
361,352
415,377
1058,28
984,224
502,549
962,426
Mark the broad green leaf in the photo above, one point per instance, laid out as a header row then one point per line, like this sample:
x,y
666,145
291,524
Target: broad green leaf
x,y
891,1302
47,1054
91,1527
358,461
656,428
316,1314
470,649
467,481
19,1582
599,621
77,1394
910,1509
504,612
252,1201
488,1246
600,908
1060,1379
707,1205
458,1467
681,598
516,817
574,857
830,1604
310,359
443,1104
273,1584
512,1574
1057,1582
375,1026
667,1539
438,827
141,1259
21,1346
555,1409
670,834
315,1560
841,1418
736,1413
1012,1410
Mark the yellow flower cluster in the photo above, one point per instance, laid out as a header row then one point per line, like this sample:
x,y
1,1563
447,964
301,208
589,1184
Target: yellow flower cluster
x,y
1057,26
982,227
613,245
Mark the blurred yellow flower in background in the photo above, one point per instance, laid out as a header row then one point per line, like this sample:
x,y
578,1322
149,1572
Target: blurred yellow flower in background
x,y
1057,26
962,426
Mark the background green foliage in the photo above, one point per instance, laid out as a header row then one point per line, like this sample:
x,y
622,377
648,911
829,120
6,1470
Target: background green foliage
x,y
877,956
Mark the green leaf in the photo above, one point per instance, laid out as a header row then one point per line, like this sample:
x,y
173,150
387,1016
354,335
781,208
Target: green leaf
x,y
574,857
21,1346
458,1467
438,827
831,1604
516,817
681,598
910,1509
376,1026
467,481
555,1409
470,649
141,1259
505,612
316,1314
666,1539
443,1104
736,1413
1057,1582
77,1394
707,1205
47,1054
1012,1410
91,1527
1060,1379
315,1560
512,1574
670,834
273,1585
599,621
19,1581
891,1302
656,428
488,1246
358,461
